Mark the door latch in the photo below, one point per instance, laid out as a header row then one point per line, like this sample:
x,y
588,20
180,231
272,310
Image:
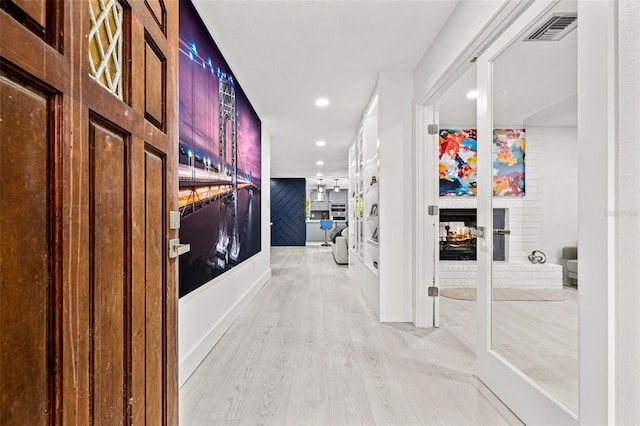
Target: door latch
x,y
432,291
176,249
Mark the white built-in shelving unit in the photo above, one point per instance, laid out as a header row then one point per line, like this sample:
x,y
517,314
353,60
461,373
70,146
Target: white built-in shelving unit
x,y
364,164
381,209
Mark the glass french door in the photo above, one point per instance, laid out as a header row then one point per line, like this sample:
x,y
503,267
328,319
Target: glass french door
x,y
526,98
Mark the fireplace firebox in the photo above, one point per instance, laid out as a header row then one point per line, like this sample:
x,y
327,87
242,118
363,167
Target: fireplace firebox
x,y
458,229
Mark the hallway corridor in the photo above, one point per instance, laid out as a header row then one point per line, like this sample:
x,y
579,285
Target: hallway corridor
x,y
308,350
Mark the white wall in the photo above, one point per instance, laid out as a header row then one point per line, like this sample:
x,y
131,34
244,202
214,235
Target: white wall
x,y
525,214
559,188
627,344
205,314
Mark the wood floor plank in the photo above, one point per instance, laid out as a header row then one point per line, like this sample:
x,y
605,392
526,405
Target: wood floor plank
x,y
228,371
348,403
267,398
308,400
386,394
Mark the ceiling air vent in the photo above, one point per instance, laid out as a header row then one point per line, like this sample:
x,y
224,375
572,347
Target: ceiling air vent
x,y
555,28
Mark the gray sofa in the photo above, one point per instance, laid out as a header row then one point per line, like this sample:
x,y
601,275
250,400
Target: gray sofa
x,y
569,262
340,248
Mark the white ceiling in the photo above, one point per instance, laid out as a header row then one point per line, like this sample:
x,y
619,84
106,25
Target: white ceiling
x,y
285,54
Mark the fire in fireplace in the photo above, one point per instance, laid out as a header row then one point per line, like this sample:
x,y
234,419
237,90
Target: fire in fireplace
x,y
457,234
458,239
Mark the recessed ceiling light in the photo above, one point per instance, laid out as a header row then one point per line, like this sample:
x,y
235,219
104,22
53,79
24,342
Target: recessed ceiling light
x,y
320,163
472,94
318,174
321,143
322,102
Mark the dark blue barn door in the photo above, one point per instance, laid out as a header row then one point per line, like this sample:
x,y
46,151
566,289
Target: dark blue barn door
x,y
288,197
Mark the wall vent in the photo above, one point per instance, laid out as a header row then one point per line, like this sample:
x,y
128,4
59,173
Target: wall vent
x,y
555,28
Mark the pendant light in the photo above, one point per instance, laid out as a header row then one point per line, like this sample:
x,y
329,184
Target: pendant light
x,y
321,188
337,187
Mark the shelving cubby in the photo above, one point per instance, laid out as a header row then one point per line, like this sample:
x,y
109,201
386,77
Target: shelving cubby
x,y
370,176
366,214
356,227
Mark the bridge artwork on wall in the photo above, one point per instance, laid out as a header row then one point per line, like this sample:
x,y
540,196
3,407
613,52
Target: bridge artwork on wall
x,y
219,160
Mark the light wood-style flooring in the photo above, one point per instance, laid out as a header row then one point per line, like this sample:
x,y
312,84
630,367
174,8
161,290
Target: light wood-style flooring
x,y
308,351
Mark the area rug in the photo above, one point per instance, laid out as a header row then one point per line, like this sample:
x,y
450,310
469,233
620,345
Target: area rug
x,y
505,294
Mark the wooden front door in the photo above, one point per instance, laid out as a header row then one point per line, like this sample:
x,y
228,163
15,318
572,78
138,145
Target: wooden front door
x,y
88,131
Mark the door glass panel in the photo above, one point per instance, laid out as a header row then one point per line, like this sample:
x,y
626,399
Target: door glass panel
x,y
105,44
535,165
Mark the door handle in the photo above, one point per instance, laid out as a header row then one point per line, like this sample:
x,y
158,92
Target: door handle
x,y
480,231
176,249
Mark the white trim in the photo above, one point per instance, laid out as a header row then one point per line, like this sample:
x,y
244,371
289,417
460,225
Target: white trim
x,y
597,119
418,276
427,309
190,362
484,219
423,310
433,224
627,315
612,173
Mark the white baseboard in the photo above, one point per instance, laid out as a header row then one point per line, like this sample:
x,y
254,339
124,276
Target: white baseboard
x,y
192,360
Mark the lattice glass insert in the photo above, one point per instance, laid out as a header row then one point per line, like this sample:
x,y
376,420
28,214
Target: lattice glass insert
x,y
105,44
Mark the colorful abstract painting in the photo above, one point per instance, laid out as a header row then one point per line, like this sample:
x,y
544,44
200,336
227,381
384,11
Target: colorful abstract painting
x,y
508,162
458,162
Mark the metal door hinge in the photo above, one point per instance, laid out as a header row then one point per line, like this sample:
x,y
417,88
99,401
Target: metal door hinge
x,y
432,129
432,291
432,210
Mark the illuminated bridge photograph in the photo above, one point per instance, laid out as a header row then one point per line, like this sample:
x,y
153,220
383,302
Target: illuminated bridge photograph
x,y
219,160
